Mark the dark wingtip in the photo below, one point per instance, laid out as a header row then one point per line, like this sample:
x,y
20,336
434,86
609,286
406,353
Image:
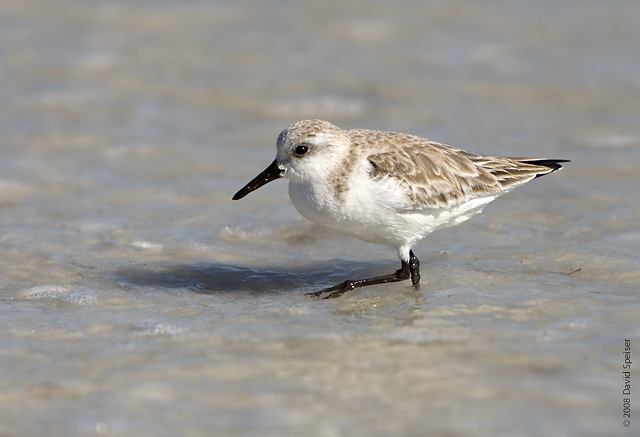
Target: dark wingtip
x,y
551,164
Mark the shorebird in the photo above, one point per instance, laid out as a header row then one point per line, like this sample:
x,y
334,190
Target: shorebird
x,y
386,187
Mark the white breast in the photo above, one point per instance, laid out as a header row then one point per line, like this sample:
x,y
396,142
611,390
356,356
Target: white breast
x,y
375,211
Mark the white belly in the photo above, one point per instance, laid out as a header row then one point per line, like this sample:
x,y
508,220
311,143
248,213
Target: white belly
x,y
361,215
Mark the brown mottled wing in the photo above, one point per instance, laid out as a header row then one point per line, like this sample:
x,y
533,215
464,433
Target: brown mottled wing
x,y
435,175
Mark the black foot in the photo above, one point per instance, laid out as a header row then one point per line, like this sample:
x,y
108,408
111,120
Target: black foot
x,y
408,270
336,290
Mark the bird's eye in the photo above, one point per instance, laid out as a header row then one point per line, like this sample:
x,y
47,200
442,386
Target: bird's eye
x,y
302,149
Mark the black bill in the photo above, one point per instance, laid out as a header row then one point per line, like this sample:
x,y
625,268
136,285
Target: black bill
x,y
269,174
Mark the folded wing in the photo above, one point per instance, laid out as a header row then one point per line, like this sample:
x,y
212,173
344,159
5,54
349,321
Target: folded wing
x,y
435,175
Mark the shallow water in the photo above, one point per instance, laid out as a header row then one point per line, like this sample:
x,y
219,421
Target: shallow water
x,y
137,299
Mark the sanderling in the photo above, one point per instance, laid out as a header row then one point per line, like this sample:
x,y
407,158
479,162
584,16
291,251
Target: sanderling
x,y
386,187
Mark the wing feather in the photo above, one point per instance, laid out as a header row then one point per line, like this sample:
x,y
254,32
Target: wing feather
x,y
435,175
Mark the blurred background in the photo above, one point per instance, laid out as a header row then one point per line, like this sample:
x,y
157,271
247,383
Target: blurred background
x,y
137,298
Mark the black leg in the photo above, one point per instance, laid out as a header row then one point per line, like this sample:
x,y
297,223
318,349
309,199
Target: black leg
x,y
408,270
414,268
